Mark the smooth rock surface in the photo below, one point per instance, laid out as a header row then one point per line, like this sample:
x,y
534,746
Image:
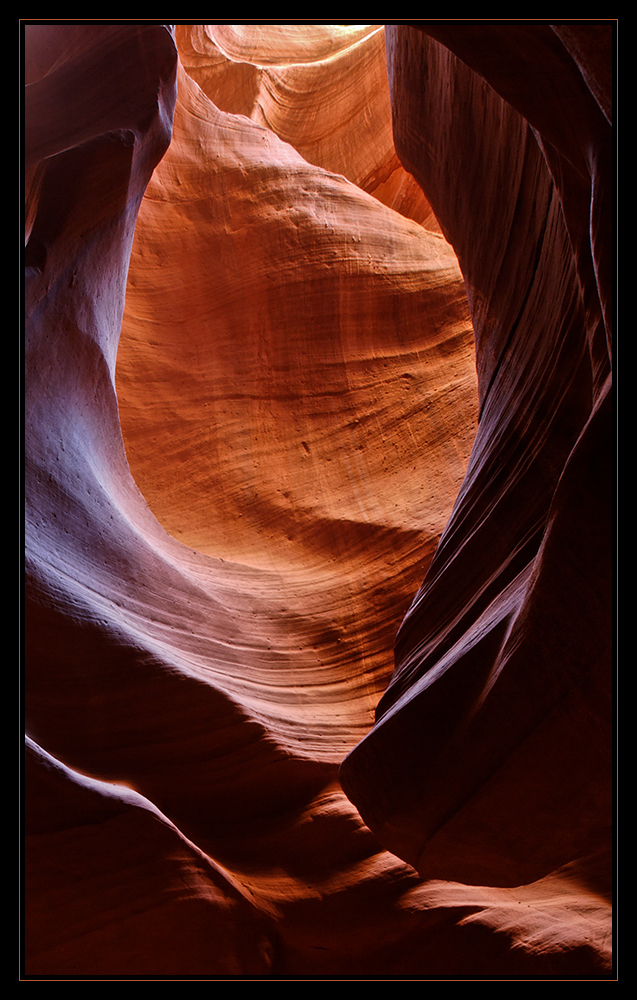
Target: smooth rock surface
x,y
322,88
491,758
250,407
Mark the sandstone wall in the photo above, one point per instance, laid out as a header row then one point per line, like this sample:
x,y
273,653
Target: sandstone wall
x,y
251,405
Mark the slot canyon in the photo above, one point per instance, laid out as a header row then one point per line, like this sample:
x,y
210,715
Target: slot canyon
x,y
319,500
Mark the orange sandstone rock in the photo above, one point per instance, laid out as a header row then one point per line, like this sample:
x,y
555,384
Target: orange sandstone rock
x,y
321,88
230,507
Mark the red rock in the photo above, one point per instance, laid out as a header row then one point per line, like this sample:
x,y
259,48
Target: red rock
x,y
324,91
491,758
230,507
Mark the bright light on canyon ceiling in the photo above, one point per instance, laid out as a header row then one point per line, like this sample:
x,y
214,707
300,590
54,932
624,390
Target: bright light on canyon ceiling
x,y
307,483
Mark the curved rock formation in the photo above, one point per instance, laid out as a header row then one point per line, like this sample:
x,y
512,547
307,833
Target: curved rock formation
x,y
491,756
230,506
321,88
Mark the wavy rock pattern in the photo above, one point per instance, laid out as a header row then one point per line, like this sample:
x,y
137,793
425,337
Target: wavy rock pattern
x,y
231,505
496,729
324,91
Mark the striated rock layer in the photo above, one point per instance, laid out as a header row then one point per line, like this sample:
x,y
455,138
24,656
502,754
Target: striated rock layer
x,y
490,760
230,506
322,88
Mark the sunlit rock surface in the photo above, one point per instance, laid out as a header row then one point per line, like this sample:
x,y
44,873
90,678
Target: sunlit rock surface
x,y
322,89
231,507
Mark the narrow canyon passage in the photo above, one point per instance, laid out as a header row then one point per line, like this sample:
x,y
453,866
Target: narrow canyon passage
x,y
296,380
254,427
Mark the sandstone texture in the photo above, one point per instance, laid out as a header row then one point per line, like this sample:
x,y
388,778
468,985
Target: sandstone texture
x,y
318,496
499,710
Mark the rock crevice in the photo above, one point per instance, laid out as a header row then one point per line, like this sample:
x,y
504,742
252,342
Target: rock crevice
x,y
317,500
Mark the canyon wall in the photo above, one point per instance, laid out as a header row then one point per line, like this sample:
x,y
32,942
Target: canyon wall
x,y
265,398
491,756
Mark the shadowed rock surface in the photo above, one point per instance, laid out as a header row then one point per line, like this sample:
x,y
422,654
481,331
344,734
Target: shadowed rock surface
x,y
499,713
250,412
